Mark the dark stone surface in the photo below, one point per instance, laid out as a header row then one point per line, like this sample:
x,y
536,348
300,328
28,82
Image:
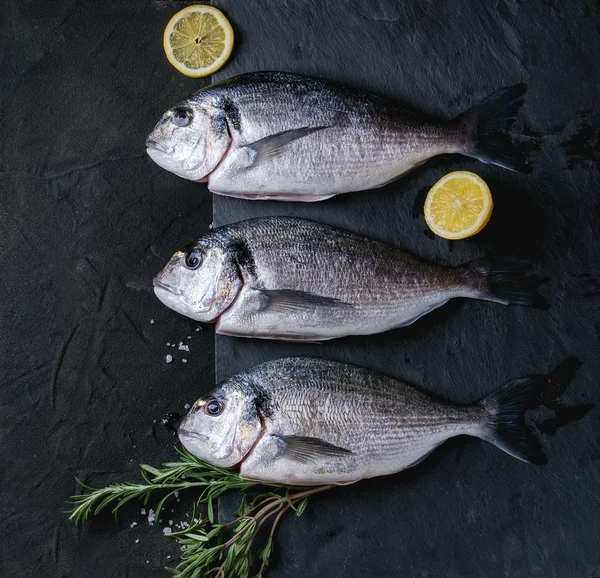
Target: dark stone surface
x,y
469,510
86,219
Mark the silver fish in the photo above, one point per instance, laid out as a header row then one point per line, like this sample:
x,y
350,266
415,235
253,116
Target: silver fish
x,y
293,279
310,421
275,135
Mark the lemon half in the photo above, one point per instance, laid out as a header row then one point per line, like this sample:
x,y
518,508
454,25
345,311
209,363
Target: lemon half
x,y
198,40
458,206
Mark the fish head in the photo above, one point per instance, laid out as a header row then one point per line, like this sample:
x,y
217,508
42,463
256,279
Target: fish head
x,y
201,281
190,139
222,427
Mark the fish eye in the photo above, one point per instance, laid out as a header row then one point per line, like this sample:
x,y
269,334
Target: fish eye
x,y
182,117
214,407
193,260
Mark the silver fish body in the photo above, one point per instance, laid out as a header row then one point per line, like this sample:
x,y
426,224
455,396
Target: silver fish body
x,y
311,421
274,135
293,279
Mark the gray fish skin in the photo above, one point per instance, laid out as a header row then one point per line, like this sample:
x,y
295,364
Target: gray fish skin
x,y
275,135
293,279
311,421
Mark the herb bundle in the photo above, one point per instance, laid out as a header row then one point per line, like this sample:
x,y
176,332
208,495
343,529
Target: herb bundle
x,y
207,547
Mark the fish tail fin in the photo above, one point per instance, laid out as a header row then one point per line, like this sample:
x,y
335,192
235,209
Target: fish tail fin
x,y
487,125
504,424
505,281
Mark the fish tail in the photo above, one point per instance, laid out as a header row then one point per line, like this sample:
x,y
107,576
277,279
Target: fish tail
x,y
504,424
487,125
505,281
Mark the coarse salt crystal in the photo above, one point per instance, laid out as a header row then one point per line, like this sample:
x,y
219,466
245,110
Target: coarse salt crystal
x,y
137,541
184,361
143,511
151,320
151,517
166,531
189,336
186,406
133,524
169,358
171,521
183,347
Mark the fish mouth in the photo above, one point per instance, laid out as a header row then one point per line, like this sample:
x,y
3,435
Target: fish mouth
x,y
155,145
166,287
191,434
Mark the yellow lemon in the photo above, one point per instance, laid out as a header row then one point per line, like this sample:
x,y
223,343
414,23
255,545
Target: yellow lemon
x,y
458,206
198,40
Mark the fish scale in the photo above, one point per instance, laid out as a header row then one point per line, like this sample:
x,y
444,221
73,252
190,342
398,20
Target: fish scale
x,y
312,421
286,278
282,136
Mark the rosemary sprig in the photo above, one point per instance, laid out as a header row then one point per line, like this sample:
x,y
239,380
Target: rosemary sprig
x,y
207,548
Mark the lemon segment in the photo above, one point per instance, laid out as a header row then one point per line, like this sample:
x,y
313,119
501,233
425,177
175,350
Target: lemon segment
x,y
198,40
458,206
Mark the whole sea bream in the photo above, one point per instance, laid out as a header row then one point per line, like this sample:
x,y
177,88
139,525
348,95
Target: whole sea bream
x,y
293,279
311,421
276,135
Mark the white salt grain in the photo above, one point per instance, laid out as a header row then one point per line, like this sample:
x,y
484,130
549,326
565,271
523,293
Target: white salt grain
x,y
169,358
183,347
151,517
151,320
143,511
133,524
170,522
184,361
166,531
137,541
186,406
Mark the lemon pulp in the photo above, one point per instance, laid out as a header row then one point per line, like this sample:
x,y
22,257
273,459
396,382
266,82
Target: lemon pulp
x,y
458,206
198,40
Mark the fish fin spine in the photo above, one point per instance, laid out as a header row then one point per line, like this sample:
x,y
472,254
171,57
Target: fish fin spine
x,y
307,450
486,127
505,281
505,425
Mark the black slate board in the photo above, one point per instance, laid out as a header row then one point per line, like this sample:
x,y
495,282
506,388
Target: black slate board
x,y
86,219
469,510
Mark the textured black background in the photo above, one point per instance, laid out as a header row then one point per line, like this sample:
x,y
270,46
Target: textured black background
x,y
86,219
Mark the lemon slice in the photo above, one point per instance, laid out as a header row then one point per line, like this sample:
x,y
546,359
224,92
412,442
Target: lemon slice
x,y
198,40
458,206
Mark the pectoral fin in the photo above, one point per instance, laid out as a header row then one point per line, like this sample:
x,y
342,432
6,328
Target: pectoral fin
x,y
306,450
287,300
271,146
